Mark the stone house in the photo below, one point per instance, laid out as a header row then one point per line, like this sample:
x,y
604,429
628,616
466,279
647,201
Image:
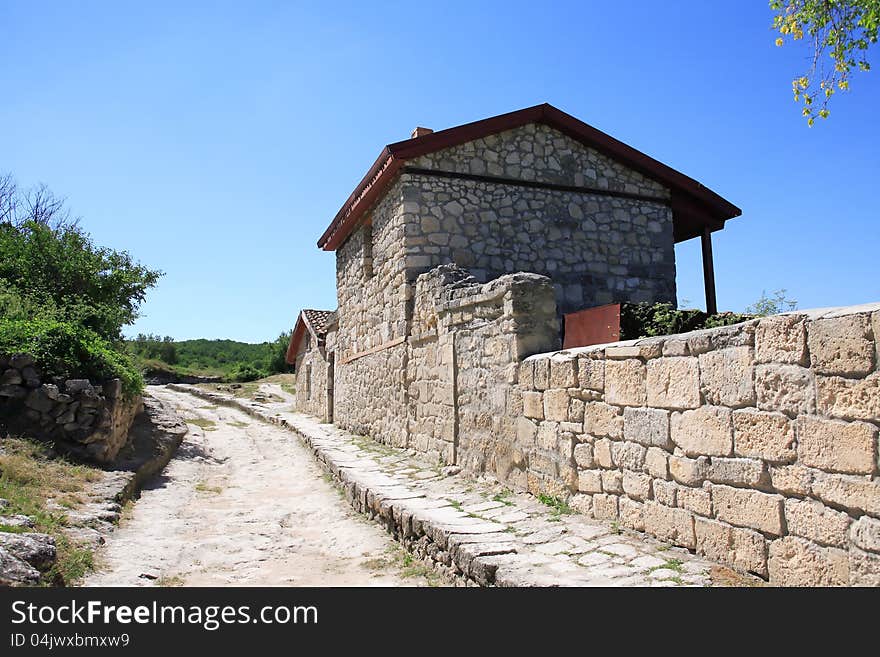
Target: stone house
x,y
313,362
754,444
591,219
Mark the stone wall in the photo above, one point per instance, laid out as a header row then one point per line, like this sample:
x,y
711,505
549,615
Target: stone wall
x,y
89,420
466,343
755,445
313,379
372,294
448,390
596,248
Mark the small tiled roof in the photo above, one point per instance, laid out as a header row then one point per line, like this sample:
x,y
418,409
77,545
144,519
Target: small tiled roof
x,y
319,321
316,322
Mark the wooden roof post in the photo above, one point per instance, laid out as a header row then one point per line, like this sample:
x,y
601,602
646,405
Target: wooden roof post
x,y
708,271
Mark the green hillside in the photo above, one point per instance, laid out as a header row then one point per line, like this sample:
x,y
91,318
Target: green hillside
x,y
229,359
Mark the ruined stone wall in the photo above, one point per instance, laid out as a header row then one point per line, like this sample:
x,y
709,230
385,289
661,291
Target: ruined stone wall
x,y
596,248
372,293
467,341
89,420
312,379
755,445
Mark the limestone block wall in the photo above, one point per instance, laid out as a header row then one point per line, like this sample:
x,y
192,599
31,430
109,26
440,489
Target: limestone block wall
x,y
596,248
466,344
755,445
89,420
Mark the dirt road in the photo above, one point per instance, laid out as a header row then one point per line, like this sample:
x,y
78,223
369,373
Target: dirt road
x,y
244,503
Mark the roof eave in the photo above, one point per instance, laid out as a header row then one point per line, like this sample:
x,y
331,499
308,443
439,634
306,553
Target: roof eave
x,y
694,205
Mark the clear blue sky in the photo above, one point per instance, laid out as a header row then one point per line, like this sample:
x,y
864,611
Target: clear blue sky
x,y
215,141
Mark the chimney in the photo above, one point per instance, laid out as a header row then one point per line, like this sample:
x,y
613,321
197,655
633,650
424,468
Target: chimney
x,y
420,132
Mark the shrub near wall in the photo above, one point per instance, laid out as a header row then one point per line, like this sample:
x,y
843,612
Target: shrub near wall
x,y
755,444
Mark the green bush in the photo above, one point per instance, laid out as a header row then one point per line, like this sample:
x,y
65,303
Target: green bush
x,y
59,268
244,373
639,320
69,350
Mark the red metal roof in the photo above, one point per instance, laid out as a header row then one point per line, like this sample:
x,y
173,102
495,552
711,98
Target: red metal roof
x,y
693,205
317,322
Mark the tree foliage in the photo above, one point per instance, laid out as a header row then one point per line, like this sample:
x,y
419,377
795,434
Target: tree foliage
x,y
773,305
61,270
841,29
69,350
63,299
237,361
639,320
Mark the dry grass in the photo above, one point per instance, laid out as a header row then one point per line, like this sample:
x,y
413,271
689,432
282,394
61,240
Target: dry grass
x,y
30,476
203,487
206,425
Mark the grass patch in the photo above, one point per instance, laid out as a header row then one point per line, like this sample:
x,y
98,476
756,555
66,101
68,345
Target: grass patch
x,y
369,445
558,506
169,580
503,497
30,476
206,425
406,564
675,564
237,423
202,487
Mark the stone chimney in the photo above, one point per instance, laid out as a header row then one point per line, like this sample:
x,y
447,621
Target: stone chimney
x,y
420,132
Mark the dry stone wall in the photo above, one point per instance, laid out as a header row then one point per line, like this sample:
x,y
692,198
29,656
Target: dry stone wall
x,y
755,445
89,420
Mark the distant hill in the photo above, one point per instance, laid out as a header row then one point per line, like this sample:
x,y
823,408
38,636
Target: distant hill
x,y
163,357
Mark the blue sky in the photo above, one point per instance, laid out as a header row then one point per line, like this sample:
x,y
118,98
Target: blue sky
x,y
215,141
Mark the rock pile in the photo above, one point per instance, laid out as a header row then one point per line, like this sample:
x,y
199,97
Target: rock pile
x,y
90,420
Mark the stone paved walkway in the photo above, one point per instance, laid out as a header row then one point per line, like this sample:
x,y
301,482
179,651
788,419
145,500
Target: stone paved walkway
x,y
475,528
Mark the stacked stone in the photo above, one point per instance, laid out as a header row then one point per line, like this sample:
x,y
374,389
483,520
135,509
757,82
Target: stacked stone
x,y
90,419
467,340
755,445
372,292
494,228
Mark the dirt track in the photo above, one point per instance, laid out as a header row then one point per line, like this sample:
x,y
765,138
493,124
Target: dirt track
x,y
243,503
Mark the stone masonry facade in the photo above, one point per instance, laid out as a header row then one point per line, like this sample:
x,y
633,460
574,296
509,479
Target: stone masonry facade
x,y
755,445
596,249
593,248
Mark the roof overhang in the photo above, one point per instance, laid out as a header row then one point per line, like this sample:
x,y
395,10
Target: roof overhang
x,y
303,324
694,206
296,337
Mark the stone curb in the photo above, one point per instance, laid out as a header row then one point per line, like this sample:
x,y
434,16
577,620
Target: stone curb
x,y
476,551
428,528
